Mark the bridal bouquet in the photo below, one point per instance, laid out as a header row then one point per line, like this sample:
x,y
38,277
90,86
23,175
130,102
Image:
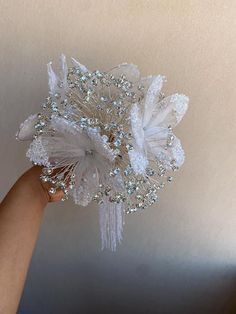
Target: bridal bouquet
x,y
106,137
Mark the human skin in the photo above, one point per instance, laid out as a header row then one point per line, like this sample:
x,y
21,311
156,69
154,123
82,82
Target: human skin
x,y
21,213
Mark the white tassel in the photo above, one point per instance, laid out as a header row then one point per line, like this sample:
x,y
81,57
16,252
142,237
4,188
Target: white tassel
x,y
111,224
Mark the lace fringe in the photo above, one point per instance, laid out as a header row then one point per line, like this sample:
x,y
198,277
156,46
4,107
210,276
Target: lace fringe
x,y
111,224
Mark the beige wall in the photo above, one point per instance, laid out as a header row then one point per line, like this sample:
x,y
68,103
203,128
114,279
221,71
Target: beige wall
x,y
180,256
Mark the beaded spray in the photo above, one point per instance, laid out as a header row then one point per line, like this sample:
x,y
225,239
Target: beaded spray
x,y
106,137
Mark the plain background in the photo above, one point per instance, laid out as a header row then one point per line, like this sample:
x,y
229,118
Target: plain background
x,y
179,256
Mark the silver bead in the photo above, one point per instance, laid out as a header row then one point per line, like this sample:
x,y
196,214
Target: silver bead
x,y
52,191
49,171
169,179
64,198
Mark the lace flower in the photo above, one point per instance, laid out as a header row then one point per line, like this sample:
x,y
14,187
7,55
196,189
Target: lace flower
x,y
152,125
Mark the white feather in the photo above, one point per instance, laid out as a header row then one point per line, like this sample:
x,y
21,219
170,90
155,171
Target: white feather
x,y
52,79
77,64
152,98
27,130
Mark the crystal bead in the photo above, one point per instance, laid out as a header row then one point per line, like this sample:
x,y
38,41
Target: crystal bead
x,y
169,179
103,99
129,147
52,191
49,171
128,170
107,190
117,142
64,198
105,138
44,179
150,172
114,172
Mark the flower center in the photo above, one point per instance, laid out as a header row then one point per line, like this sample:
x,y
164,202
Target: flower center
x,y
89,152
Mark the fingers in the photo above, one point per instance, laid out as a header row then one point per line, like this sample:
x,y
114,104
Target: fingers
x,y
53,195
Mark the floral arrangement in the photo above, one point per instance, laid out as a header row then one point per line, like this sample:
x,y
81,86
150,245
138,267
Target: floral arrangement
x,y
106,137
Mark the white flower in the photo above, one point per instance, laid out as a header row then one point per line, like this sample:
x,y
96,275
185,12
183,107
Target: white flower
x,y
152,125
76,151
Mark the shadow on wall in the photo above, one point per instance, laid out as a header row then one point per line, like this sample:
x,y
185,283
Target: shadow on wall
x,y
171,288
230,305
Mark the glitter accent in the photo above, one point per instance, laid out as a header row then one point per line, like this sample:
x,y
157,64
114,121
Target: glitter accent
x,y
37,153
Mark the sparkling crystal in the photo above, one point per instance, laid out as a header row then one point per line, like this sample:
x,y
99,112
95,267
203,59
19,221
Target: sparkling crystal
x,y
98,74
169,179
105,138
150,172
64,198
116,151
52,190
128,170
117,142
129,147
162,184
44,178
37,125
139,205
104,99
139,197
114,172
109,110
49,171
83,78
131,210
42,123
120,134
107,190
94,82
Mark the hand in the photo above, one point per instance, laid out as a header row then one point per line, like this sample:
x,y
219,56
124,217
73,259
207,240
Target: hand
x,y
21,213
31,178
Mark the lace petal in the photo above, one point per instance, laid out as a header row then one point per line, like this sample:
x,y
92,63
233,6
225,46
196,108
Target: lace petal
x,y
175,152
137,126
52,79
131,71
152,98
63,76
170,111
37,153
138,161
86,184
27,130
78,65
